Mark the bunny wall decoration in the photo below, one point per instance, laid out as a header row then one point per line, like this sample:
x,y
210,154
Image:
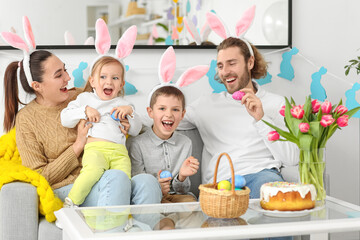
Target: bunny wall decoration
x,y
219,27
167,68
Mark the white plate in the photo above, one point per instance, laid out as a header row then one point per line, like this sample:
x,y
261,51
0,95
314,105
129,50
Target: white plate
x,y
255,205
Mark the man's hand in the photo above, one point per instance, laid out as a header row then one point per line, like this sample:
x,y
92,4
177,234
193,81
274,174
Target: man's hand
x,y
92,114
252,103
164,183
188,168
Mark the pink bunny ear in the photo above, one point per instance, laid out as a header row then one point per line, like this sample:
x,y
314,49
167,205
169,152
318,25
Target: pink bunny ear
x,y
192,74
245,22
69,39
103,40
192,30
29,36
205,31
15,41
217,25
167,65
154,31
126,43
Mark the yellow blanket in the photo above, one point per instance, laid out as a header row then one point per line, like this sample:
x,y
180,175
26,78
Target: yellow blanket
x,y
11,170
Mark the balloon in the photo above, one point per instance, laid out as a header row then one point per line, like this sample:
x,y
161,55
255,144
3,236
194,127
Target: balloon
x,y
275,24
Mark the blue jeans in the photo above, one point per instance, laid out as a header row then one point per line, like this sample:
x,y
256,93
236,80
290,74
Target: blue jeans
x,y
255,180
115,188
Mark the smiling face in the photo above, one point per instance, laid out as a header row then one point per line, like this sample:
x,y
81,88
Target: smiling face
x,y
52,91
167,112
108,80
233,71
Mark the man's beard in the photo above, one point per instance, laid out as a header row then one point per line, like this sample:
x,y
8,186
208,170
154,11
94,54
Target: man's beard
x,y
243,81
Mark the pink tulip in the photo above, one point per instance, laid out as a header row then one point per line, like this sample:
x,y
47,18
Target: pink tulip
x,y
315,106
326,107
343,121
341,109
297,112
326,120
273,136
282,111
304,127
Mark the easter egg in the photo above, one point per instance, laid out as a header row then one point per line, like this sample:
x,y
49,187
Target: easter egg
x,y
224,184
238,95
165,174
240,181
113,116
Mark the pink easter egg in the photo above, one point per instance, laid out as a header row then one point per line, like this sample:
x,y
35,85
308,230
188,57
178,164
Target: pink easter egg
x,y
238,95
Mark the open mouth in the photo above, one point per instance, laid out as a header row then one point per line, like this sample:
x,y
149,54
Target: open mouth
x,y
167,124
108,91
230,80
63,89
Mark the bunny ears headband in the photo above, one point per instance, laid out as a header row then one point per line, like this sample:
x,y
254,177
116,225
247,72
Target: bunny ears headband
x,y
103,42
167,68
218,26
28,46
205,31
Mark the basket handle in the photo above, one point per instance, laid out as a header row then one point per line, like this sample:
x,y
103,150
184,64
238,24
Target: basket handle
x,y
232,171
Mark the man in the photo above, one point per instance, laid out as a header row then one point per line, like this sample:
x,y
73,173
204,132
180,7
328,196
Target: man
x,y
235,127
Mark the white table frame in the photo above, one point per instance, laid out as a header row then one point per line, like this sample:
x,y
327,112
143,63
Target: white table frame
x,y
75,228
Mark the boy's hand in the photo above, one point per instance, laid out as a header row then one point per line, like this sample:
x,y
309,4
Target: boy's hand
x,y
188,168
92,114
122,111
164,183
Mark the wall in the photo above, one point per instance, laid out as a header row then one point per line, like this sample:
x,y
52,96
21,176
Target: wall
x,y
325,32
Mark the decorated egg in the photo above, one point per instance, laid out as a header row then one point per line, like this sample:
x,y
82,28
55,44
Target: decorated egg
x,y
113,116
240,181
238,95
165,174
224,184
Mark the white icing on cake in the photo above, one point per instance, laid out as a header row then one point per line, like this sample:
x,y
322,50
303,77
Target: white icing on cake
x,y
270,189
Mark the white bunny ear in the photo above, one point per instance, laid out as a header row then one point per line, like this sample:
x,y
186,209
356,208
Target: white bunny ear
x,y
205,31
192,30
126,43
245,22
192,74
217,25
69,39
29,36
167,65
89,41
103,40
15,41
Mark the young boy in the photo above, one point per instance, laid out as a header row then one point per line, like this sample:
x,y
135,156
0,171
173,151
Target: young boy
x,y
161,148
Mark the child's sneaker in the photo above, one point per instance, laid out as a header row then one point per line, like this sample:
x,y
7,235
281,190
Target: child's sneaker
x,y
68,203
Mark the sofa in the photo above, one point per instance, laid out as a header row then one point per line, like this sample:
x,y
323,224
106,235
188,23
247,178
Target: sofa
x,y
19,215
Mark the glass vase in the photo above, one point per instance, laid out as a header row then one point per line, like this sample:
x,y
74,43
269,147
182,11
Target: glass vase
x,y
312,170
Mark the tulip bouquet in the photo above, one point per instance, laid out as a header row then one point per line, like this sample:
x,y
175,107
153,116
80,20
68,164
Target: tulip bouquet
x,y
310,126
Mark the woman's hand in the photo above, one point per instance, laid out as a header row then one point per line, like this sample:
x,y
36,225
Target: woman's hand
x,y
92,114
164,183
126,126
82,130
188,168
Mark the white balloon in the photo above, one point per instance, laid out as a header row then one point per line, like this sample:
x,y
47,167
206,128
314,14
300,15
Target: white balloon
x,y
275,23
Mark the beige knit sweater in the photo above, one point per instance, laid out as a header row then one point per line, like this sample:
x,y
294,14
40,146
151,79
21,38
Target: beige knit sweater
x,y
45,145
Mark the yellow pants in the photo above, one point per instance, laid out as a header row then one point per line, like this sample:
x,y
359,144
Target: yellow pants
x,y
98,157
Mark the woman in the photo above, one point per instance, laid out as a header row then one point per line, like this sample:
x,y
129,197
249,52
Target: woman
x,y
53,150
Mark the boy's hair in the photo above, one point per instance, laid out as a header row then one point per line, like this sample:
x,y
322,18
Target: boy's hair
x,y
168,91
98,65
260,66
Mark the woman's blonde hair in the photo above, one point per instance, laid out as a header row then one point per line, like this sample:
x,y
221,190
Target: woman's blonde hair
x,y
96,69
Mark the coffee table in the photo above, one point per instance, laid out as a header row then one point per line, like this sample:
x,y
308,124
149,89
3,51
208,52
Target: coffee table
x,y
136,222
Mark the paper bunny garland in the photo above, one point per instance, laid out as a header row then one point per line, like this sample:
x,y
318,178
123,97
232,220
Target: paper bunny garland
x,y
28,46
218,26
167,68
205,31
103,42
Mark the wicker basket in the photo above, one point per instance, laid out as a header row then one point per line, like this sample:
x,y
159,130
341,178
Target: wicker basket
x,y
223,204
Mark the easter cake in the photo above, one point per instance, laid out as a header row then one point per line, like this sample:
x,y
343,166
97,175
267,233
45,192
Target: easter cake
x,y
284,196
